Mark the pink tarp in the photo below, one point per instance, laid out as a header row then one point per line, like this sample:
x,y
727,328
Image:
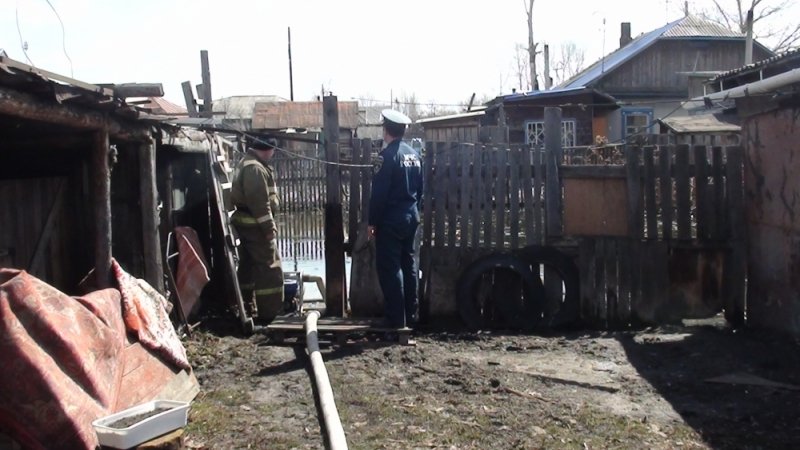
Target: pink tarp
x,y
63,357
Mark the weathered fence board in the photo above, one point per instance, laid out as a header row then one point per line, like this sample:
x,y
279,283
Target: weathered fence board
x,y
683,199
488,193
439,198
649,182
465,200
702,208
477,194
500,196
526,181
452,194
513,197
665,185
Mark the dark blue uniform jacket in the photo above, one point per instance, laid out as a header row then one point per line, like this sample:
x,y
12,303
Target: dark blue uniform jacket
x,y
397,186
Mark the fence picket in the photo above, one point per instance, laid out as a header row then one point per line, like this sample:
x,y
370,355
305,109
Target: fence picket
x,y
683,198
650,193
665,185
464,197
513,166
501,164
527,193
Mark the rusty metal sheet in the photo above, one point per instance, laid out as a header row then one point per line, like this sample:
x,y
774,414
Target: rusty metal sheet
x,y
595,207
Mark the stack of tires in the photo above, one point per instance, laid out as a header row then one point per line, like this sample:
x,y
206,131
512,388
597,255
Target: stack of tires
x,y
505,291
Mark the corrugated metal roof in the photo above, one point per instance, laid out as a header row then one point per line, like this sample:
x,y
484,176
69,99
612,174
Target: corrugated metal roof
x,y
453,116
688,27
704,123
693,26
162,106
558,92
307,115
759,64
242,106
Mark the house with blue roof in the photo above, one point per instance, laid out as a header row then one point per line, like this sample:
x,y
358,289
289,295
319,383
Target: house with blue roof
x,y
624,93
654,73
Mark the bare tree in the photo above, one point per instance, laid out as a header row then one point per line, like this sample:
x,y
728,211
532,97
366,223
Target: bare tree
x,y
531,46
733,14
569,62
522,67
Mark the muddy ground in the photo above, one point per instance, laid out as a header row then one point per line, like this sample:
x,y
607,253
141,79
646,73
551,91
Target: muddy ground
x,y
453,390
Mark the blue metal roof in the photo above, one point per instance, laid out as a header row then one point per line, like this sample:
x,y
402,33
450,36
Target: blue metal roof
x,y
617,57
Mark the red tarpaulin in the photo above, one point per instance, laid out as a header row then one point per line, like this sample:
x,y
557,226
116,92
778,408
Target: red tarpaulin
x,y
68,361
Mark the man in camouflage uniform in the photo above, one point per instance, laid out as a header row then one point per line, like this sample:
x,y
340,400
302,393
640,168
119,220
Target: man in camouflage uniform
x,y
255,196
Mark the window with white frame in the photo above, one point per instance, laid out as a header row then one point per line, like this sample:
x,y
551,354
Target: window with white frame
x,y
534,133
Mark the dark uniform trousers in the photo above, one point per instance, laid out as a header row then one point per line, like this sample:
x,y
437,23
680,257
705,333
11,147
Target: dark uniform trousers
x,y
260,272
397,271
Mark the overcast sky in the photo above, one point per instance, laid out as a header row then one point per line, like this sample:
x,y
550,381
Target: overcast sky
x,y
440,50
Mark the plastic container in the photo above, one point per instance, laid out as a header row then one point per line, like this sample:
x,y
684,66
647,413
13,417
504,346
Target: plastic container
x,y
144,430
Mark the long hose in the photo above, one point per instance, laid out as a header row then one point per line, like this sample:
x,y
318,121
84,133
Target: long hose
x,y
330,415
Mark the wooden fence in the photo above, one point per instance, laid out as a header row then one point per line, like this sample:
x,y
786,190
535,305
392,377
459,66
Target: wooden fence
x,y
655,230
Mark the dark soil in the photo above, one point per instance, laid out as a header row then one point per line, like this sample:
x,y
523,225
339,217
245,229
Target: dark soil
x,y
126,422
590,390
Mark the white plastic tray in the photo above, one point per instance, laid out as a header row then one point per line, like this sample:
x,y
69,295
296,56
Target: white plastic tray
x,y
143,430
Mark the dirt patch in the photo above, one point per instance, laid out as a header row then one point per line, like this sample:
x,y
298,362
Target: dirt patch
x,y
645,389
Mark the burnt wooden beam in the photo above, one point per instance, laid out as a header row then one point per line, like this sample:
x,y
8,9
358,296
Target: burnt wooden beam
x,y
188,97
138,90
208,107
101,183
334,222
151,245
25,106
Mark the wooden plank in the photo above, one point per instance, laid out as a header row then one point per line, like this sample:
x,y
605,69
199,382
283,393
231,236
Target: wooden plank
x,y
735,264
35,264
665,185
208,107
464,197
703,206
501,194
513,218
439,197
102,209
649,182
538,204
355,193
592,171
717,173
634,182
490,165
366,180
625,275
661,284
188,97
586,269
427,196
683,200
612,282
600,305
477,193
335,289
452,193
148,198
527,193
552,146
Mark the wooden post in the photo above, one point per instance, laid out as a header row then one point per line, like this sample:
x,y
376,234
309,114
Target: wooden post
x,y
101,183
153,265
188,97
208,107
334,225
735,269
634,180
552,148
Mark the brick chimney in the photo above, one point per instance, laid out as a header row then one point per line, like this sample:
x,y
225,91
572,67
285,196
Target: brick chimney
x,y
625,34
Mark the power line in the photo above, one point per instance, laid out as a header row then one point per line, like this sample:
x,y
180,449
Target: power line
x,y
63,38
298,155
23,45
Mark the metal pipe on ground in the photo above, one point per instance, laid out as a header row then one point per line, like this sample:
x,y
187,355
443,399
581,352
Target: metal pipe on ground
x,y
333,425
